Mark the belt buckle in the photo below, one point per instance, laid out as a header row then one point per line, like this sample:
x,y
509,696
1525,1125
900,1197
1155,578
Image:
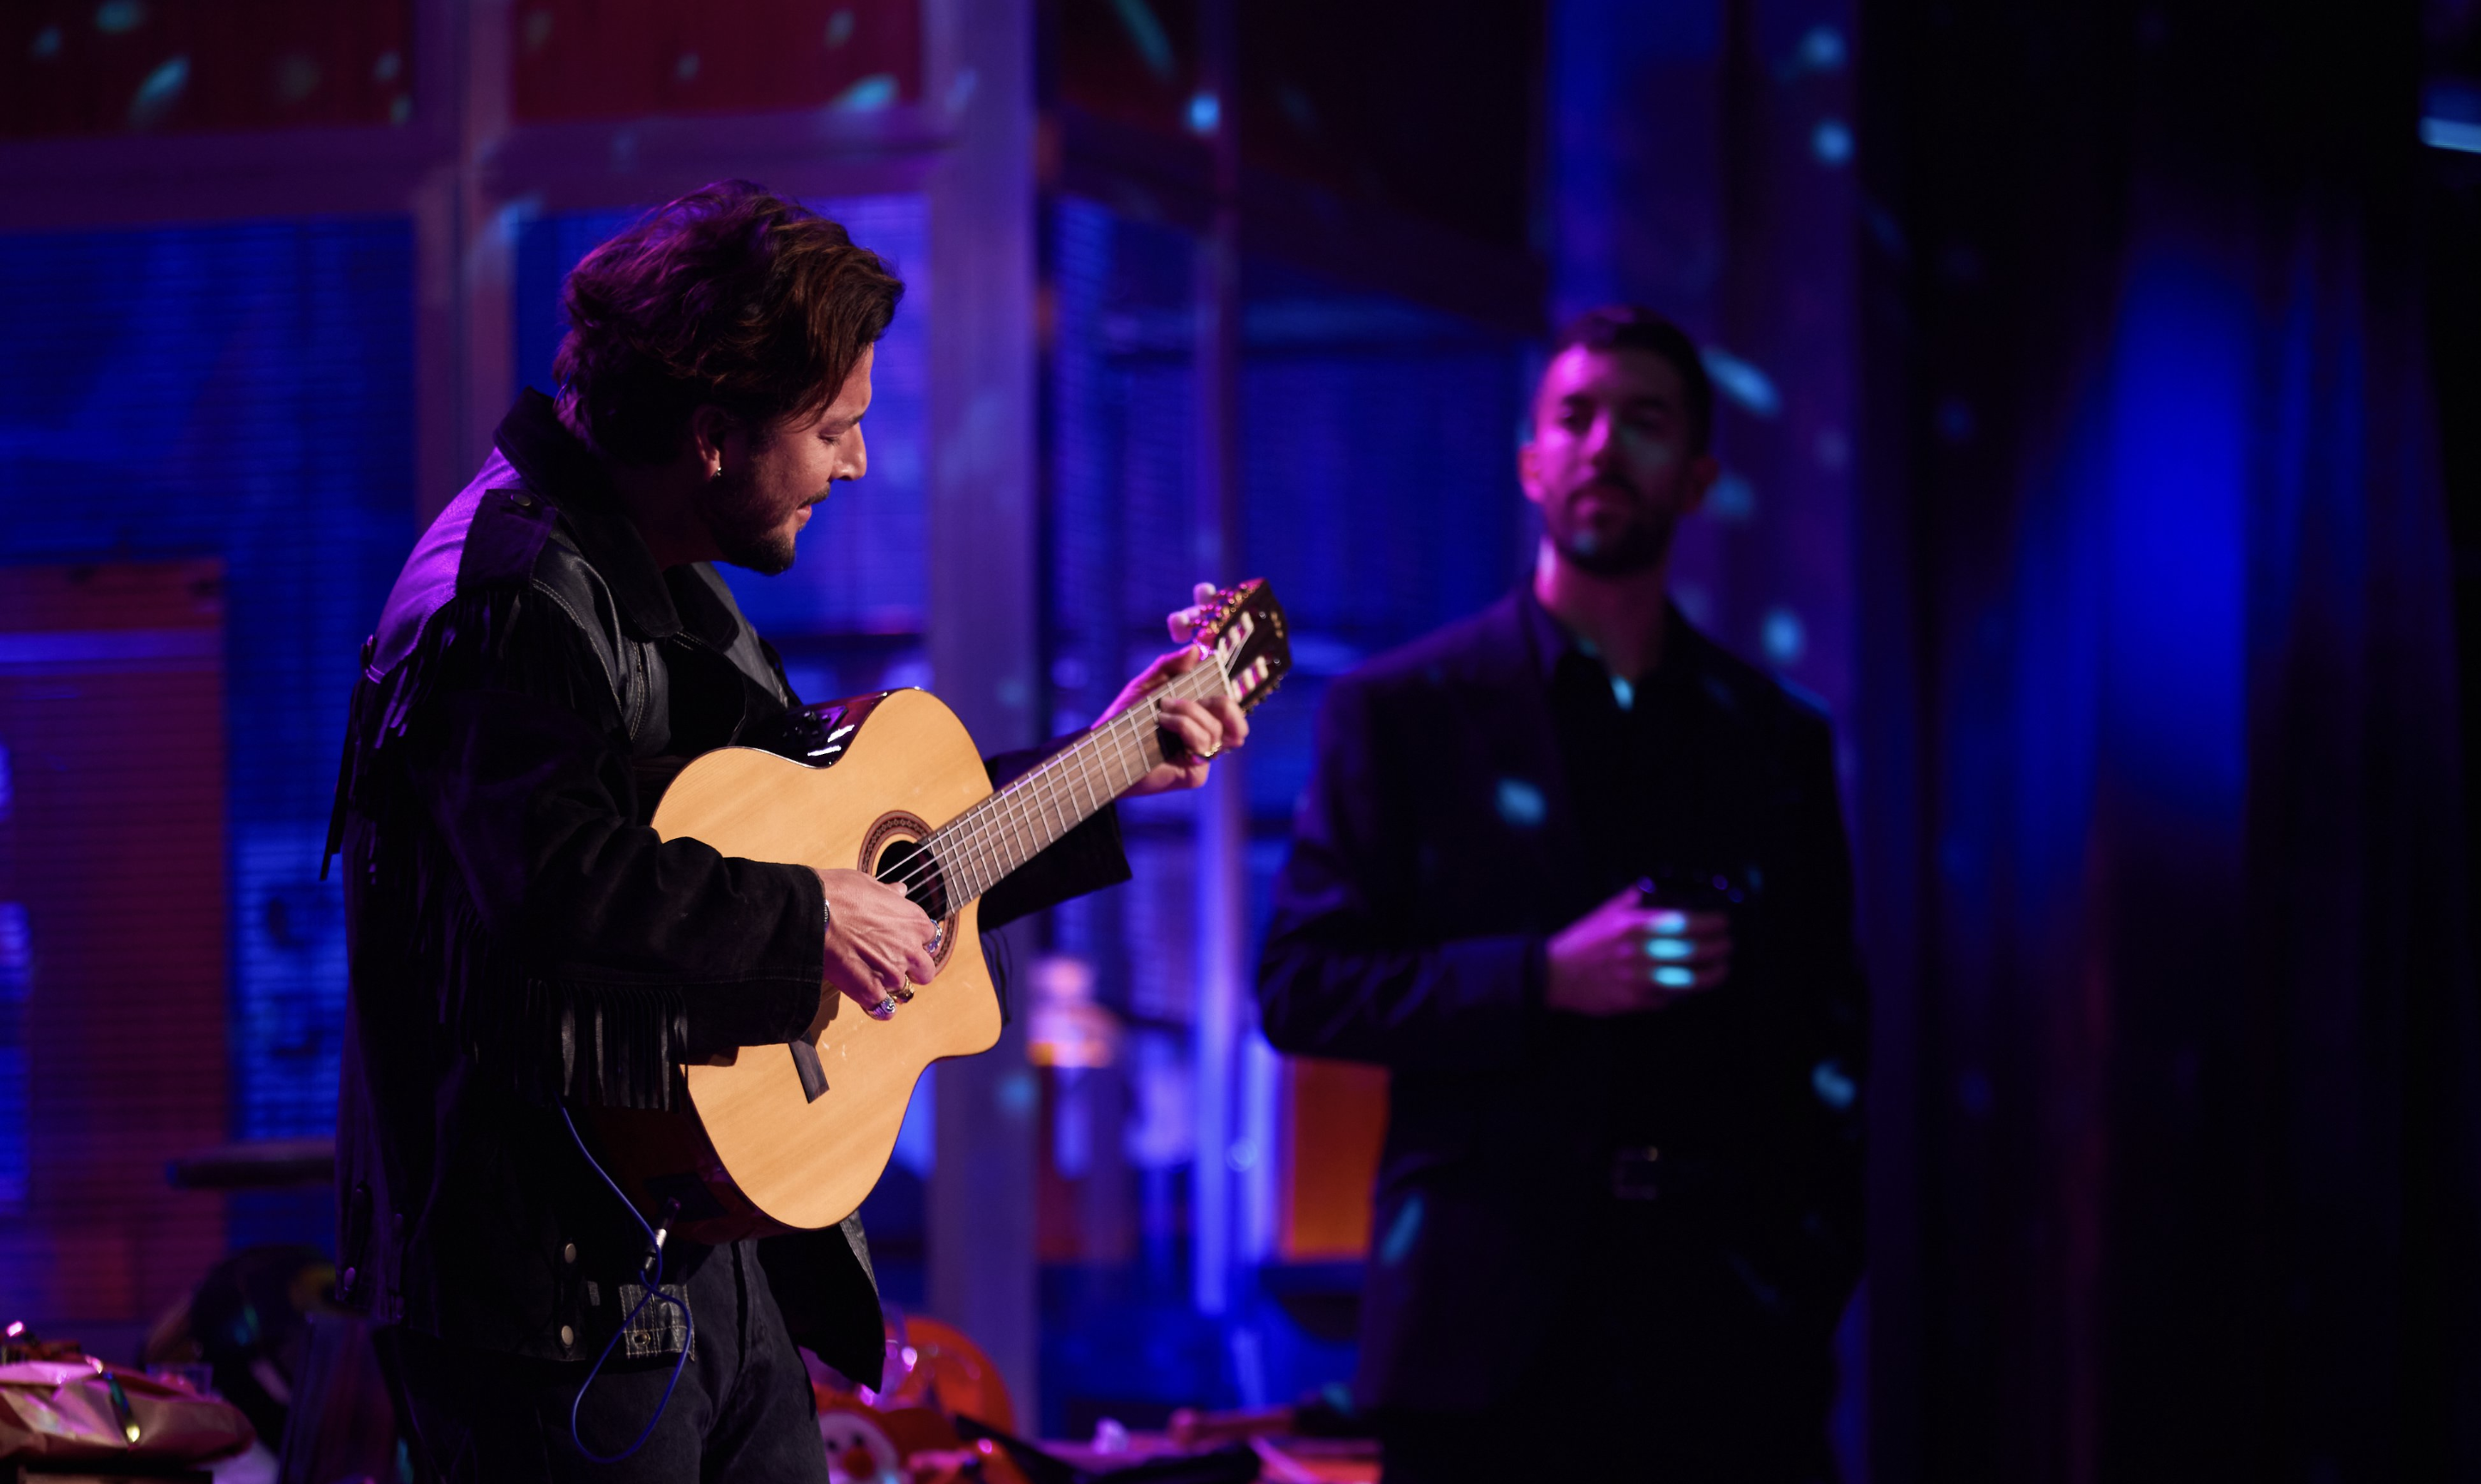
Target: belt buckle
x,y
1637,1174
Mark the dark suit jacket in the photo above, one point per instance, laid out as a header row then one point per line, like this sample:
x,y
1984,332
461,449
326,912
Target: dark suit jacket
x,y
1434,853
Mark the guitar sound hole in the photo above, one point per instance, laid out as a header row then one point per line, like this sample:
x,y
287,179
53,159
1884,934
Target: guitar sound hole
x,y
906,861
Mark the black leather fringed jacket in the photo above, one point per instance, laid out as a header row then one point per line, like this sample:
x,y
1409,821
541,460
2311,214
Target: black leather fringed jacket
x,y
520,939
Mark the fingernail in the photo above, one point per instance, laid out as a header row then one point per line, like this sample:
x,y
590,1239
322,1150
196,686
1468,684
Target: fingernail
x,y
1670,922
1675,977
1666,947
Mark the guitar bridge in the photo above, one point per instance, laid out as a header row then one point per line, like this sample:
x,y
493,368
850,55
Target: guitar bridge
x,y
813,1077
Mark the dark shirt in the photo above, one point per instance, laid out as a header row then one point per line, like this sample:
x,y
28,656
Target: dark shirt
x,y
1628,753
1634,756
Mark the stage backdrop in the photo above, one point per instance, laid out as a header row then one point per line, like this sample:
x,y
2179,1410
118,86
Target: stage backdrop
x,y
239,394
2174,1124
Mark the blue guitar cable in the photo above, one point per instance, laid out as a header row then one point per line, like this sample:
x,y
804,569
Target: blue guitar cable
x,y
654,1290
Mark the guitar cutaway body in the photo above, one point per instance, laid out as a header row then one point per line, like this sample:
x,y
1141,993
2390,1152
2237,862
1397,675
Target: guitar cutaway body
x,y
756,1151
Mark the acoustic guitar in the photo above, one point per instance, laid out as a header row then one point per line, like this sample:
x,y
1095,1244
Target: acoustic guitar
x,y
784,1137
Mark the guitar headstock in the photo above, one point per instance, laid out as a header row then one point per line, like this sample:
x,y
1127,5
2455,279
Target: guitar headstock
x,y
1243,627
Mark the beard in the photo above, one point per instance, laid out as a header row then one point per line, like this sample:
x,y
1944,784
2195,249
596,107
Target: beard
x,y
746,531
1637,544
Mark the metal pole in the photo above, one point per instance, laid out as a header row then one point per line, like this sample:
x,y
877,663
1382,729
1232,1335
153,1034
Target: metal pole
x,y
983,616
1222,809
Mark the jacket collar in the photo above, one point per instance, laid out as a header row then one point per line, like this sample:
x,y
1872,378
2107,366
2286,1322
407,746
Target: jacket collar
x,y
1687,654
1500,654
556,466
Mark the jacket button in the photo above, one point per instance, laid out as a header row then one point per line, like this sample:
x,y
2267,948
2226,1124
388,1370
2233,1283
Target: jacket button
x,y
567,1336
568,1252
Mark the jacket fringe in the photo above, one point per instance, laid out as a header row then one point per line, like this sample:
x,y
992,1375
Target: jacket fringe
x,y
594,1043
610,1044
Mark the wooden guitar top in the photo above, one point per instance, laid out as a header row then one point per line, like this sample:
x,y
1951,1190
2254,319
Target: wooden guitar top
x,y
908,767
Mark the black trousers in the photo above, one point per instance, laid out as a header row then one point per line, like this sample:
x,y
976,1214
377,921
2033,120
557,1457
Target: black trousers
x,y
1678,1358
742,1410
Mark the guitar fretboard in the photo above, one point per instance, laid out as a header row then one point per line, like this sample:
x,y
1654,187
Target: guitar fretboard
x,y
980,846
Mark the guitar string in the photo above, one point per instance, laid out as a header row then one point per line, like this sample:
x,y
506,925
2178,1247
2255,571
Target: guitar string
x,y
1005,821
1022,819
1013,811
1011,814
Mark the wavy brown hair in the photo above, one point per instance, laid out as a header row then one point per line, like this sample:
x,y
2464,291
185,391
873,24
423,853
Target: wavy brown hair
x,y
731,296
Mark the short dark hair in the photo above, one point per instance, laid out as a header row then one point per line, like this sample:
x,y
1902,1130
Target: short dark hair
x,y
1634,327
731,296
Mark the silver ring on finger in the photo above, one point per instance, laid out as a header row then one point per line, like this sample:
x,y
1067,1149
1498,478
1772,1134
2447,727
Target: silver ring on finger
x,y
885,1010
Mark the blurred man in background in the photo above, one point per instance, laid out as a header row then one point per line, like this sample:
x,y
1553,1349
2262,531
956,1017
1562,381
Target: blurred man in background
x,y
1579,879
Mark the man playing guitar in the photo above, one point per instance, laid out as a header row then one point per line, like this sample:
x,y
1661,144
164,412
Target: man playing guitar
x,y
522,941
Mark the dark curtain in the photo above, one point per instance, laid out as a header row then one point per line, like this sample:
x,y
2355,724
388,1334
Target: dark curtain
x,y
2177,1138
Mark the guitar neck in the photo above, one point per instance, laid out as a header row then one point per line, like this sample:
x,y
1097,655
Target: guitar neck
x,y
995,837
